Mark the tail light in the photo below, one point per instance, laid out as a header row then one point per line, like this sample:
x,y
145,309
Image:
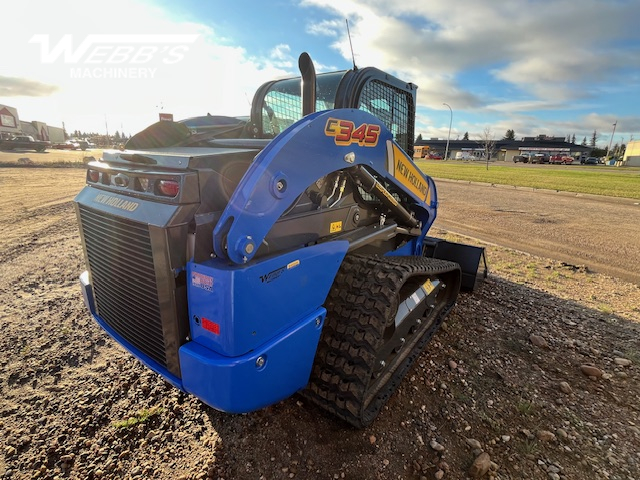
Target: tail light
x,y
168,188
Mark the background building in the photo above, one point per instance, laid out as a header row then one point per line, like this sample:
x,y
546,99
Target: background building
x,y
505,149
9,121
10,125
632,154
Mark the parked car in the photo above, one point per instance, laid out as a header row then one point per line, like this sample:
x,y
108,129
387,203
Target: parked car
x,y
24,142
520,158
562,159
591,161
540,158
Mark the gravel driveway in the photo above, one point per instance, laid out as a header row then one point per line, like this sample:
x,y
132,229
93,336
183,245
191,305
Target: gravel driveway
x,y
601,233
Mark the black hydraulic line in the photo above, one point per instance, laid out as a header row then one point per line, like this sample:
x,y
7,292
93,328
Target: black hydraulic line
x,y
372,186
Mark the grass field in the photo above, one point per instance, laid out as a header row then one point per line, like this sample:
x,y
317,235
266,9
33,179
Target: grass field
x,y
598,180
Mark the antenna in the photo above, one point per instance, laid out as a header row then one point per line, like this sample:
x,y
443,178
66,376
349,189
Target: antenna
x,y
353,57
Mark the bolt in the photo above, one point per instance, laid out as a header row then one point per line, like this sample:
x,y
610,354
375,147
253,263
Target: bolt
x,y
280,185
402,340
318,321
383,363
419,321
356,217
260,361
444,285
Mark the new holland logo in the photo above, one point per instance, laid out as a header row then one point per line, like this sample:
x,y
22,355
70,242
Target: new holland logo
x,y
116,202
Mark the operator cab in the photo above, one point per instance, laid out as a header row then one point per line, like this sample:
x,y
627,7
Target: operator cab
x,y
278,104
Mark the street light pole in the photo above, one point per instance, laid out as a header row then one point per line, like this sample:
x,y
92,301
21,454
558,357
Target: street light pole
x,y
446,153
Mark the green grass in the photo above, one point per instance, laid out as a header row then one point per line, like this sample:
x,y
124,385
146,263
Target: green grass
x,y
529,447
140,417
601,180
525,407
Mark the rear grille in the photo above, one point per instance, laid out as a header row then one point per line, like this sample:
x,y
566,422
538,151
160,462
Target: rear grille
x,y
124,280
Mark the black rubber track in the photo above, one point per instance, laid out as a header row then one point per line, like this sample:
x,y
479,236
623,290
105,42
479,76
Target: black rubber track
x,y
362,303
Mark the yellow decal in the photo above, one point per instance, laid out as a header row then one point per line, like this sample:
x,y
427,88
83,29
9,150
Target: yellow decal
x,y
345,132
408,174
428,286
293,264
335,227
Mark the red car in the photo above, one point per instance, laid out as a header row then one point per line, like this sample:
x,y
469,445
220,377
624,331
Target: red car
x,y
562,159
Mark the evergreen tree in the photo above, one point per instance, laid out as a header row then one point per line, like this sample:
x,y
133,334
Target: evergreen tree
x,y
510,135
465,136
419,138
573,138
594,139
584,142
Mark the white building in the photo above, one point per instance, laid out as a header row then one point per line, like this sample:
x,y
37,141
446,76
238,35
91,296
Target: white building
x,y
632,154
9,121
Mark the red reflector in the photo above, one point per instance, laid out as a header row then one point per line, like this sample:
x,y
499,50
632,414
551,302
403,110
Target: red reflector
x,y
93,175
213,327
169,188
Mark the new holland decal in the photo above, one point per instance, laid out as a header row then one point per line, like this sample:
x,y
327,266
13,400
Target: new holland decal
x,y
406,172
345,132
116,202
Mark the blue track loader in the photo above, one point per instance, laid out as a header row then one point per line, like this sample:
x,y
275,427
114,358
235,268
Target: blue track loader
x,y
247,259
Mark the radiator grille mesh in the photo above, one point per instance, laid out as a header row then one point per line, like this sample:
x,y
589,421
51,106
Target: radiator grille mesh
x,y
124,280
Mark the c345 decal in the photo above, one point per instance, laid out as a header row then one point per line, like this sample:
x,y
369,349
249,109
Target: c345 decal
x,y
345,132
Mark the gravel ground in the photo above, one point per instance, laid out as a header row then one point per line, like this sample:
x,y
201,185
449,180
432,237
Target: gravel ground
x,y
599,232
534,376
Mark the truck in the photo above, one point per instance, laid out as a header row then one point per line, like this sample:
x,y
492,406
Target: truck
x,y
561,159
282,253
23,142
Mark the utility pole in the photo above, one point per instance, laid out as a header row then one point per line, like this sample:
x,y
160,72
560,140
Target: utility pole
x,y
106,126
606,158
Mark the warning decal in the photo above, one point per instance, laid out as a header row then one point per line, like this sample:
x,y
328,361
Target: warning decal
x,y
204,282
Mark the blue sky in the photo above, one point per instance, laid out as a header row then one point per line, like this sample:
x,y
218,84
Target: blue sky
x,y
557,67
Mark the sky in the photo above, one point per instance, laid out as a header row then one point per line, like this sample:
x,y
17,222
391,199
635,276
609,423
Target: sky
x,y
552,67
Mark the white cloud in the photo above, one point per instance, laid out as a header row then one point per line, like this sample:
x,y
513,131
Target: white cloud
x,y
543,49
327,28
543,55
212,76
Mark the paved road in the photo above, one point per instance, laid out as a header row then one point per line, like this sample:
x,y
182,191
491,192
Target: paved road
x,y
602,233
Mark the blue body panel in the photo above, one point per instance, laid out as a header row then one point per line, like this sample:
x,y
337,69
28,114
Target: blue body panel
x,y
237,384
249,305
240,384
